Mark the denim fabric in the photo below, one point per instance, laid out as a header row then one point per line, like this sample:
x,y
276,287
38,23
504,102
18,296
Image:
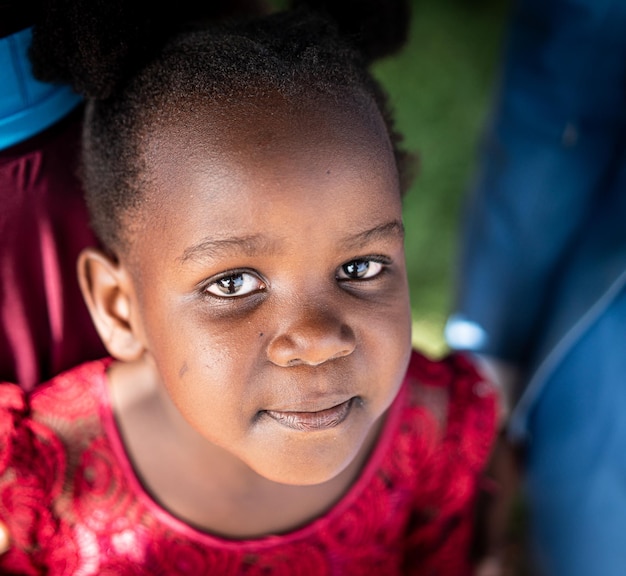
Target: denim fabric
x,y
548,203
542,276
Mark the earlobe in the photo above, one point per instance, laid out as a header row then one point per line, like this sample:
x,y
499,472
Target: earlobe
x,y
107,291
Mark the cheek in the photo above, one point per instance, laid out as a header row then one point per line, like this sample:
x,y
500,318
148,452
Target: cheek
x,y
393,338
199,344
207,367
210,396
387,338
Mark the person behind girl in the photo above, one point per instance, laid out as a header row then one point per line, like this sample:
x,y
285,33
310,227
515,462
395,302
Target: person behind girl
x,y
44,325
262,410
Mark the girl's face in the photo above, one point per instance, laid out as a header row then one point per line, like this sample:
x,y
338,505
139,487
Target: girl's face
x,y
269,282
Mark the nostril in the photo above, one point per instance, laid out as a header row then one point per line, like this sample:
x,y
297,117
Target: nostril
x,y
342,353
319,361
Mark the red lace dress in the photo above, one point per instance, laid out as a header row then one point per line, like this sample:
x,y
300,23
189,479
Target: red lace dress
x,y
74,506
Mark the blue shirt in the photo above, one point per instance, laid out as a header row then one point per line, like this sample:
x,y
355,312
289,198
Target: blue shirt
x,y
27,106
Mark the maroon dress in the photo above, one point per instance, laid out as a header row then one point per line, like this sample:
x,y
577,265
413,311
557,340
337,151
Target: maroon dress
x,y
74,505
44,324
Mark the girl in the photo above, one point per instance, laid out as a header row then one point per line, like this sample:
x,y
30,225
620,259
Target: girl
x,y
261,410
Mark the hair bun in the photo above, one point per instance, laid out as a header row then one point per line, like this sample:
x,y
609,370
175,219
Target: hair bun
x,y
377,28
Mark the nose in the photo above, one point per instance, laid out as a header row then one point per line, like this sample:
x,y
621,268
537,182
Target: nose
x,y
312,338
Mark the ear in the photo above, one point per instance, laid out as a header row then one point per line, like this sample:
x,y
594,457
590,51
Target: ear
x,y
108,293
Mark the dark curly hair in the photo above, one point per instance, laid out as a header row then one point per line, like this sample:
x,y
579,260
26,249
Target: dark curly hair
x,y
133,85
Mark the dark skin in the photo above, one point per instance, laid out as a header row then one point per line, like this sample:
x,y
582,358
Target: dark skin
x,y
19,15
275,397
263,323
15,16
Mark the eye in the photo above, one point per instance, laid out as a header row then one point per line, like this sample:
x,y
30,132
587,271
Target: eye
x,y
360,269
235,284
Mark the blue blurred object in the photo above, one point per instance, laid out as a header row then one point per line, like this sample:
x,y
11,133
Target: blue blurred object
x,y
27,106
543,272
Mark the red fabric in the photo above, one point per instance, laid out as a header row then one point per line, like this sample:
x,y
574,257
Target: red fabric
x,y
44,324
74,506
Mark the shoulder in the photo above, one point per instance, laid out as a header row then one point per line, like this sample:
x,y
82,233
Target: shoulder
x,y
13,408
36,452
453,380
32,465
449,371
461,404
32,425
74,393
34,428
22,438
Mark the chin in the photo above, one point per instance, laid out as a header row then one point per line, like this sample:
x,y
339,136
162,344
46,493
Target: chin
x,y
308,477
313,458
311,469
303,480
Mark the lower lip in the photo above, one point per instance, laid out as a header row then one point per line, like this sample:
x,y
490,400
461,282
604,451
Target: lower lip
x,y
311,421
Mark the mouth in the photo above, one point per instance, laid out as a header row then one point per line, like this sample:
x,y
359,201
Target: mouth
x,y
315,420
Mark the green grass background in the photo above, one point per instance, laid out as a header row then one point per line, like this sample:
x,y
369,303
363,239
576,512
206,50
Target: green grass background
x,y
440,87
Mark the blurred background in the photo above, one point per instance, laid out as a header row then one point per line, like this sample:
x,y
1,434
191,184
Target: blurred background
x,y
440,86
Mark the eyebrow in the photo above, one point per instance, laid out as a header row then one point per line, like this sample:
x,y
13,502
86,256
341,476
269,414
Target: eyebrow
x,y
249,245
395,228
257,243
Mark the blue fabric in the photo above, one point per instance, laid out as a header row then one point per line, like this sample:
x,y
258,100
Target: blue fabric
x,y
27,106
543,271
576,469
543,239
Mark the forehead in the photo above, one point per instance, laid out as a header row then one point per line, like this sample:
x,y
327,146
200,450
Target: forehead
x,y
269,129
240,158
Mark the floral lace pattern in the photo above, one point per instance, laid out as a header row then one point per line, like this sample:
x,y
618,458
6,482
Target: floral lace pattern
x,y
73,507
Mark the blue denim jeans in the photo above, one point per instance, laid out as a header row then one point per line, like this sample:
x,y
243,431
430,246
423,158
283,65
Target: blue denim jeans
x,y
542,275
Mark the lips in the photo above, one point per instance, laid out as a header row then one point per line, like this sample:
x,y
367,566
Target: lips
x,y
314,420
